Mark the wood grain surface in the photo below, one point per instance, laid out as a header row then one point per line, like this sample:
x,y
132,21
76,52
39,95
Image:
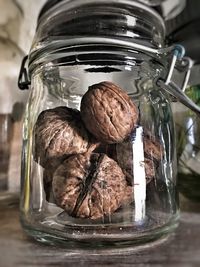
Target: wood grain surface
x,y
16,249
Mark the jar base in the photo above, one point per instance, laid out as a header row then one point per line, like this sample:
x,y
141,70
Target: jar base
x,y
130,239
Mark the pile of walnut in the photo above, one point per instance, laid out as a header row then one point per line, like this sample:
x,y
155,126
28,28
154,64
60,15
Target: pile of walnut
x,y
87,154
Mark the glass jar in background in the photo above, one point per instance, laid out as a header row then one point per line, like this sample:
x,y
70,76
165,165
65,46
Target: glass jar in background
x,y
99,159
11,110
5,142
17,26
185,30
188,144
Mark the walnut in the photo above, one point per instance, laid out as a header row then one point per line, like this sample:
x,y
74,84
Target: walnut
x,y
59,132
108,112
123,154
153,149
128,196
150,170
90,186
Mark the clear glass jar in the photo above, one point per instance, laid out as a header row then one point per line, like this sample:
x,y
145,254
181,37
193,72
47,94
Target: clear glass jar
x,y
98,165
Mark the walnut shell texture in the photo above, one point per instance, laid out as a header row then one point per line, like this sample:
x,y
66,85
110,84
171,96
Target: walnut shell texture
x,y
123,154
89,186
59,132
108,112
153,149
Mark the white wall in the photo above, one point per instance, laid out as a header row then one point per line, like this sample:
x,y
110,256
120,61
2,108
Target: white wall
x,y
17,26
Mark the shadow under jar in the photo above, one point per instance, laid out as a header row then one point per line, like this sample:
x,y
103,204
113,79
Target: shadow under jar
x,y
98,162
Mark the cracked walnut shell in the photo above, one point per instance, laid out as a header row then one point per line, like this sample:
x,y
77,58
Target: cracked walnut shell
x,y
108,112
59,132
90,186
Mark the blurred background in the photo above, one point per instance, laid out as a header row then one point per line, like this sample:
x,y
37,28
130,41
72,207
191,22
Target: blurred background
x,y
17,26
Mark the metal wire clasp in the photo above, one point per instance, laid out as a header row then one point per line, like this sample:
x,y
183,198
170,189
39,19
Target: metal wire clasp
x,y
186,65
183,64
23,80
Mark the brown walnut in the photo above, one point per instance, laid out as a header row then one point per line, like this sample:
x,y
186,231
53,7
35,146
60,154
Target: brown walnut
x,y
123,154
59,132
153,149
90,186
108,112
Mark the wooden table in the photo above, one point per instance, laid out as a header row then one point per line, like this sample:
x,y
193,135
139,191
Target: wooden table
x,y
16,249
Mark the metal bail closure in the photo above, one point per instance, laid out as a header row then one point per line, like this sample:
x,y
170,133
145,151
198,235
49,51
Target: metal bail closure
x,y
173,88
23,80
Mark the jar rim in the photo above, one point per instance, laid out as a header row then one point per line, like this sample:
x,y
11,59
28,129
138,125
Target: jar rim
x,y
72,48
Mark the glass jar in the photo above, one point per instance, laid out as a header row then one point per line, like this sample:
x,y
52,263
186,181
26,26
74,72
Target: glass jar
x,y
12,103
99,160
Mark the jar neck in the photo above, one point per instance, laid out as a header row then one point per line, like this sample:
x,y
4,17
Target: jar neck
x,y
102,58
121,19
